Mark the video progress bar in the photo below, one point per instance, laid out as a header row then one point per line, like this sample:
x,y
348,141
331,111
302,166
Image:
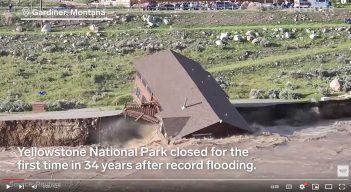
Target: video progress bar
x,y
304,179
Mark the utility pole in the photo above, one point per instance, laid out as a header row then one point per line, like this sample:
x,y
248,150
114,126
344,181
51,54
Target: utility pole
x,y
41,8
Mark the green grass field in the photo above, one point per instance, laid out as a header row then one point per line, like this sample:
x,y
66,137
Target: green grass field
x,y
100,77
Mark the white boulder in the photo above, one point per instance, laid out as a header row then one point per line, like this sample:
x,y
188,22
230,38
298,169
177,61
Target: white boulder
x,y
219,43
224,36
238,38
46,28
313,36
335,85
93,28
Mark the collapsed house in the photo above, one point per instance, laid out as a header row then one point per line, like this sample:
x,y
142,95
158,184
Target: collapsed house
x,y
184,99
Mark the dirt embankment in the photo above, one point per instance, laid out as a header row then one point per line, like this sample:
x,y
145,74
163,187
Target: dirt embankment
x,y
74,132
71,132
261,17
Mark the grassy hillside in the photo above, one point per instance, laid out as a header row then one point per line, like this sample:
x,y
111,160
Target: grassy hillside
x,y
96,69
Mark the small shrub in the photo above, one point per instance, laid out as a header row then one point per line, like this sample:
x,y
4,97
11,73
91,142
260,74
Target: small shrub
x,y
257,94
100,77
12,95
273,94
122,100
65,74
291,86
324,91
61,105
346,84
288,94
14,106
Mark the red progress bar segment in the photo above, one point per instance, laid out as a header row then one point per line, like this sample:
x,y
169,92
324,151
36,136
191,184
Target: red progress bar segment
x,y
12,179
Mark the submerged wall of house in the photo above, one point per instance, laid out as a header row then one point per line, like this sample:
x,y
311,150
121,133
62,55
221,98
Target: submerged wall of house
x,y
217,130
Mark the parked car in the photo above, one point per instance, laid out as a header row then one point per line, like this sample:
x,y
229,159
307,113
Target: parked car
x,y
224,5
299,4
166,7
150,6
194,6
184,6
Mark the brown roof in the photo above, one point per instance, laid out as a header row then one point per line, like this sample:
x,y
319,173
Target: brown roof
x,y
174,125
174,78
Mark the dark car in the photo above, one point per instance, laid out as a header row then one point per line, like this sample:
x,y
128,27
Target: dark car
x,y
182,6
223,5
150,6
166,7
